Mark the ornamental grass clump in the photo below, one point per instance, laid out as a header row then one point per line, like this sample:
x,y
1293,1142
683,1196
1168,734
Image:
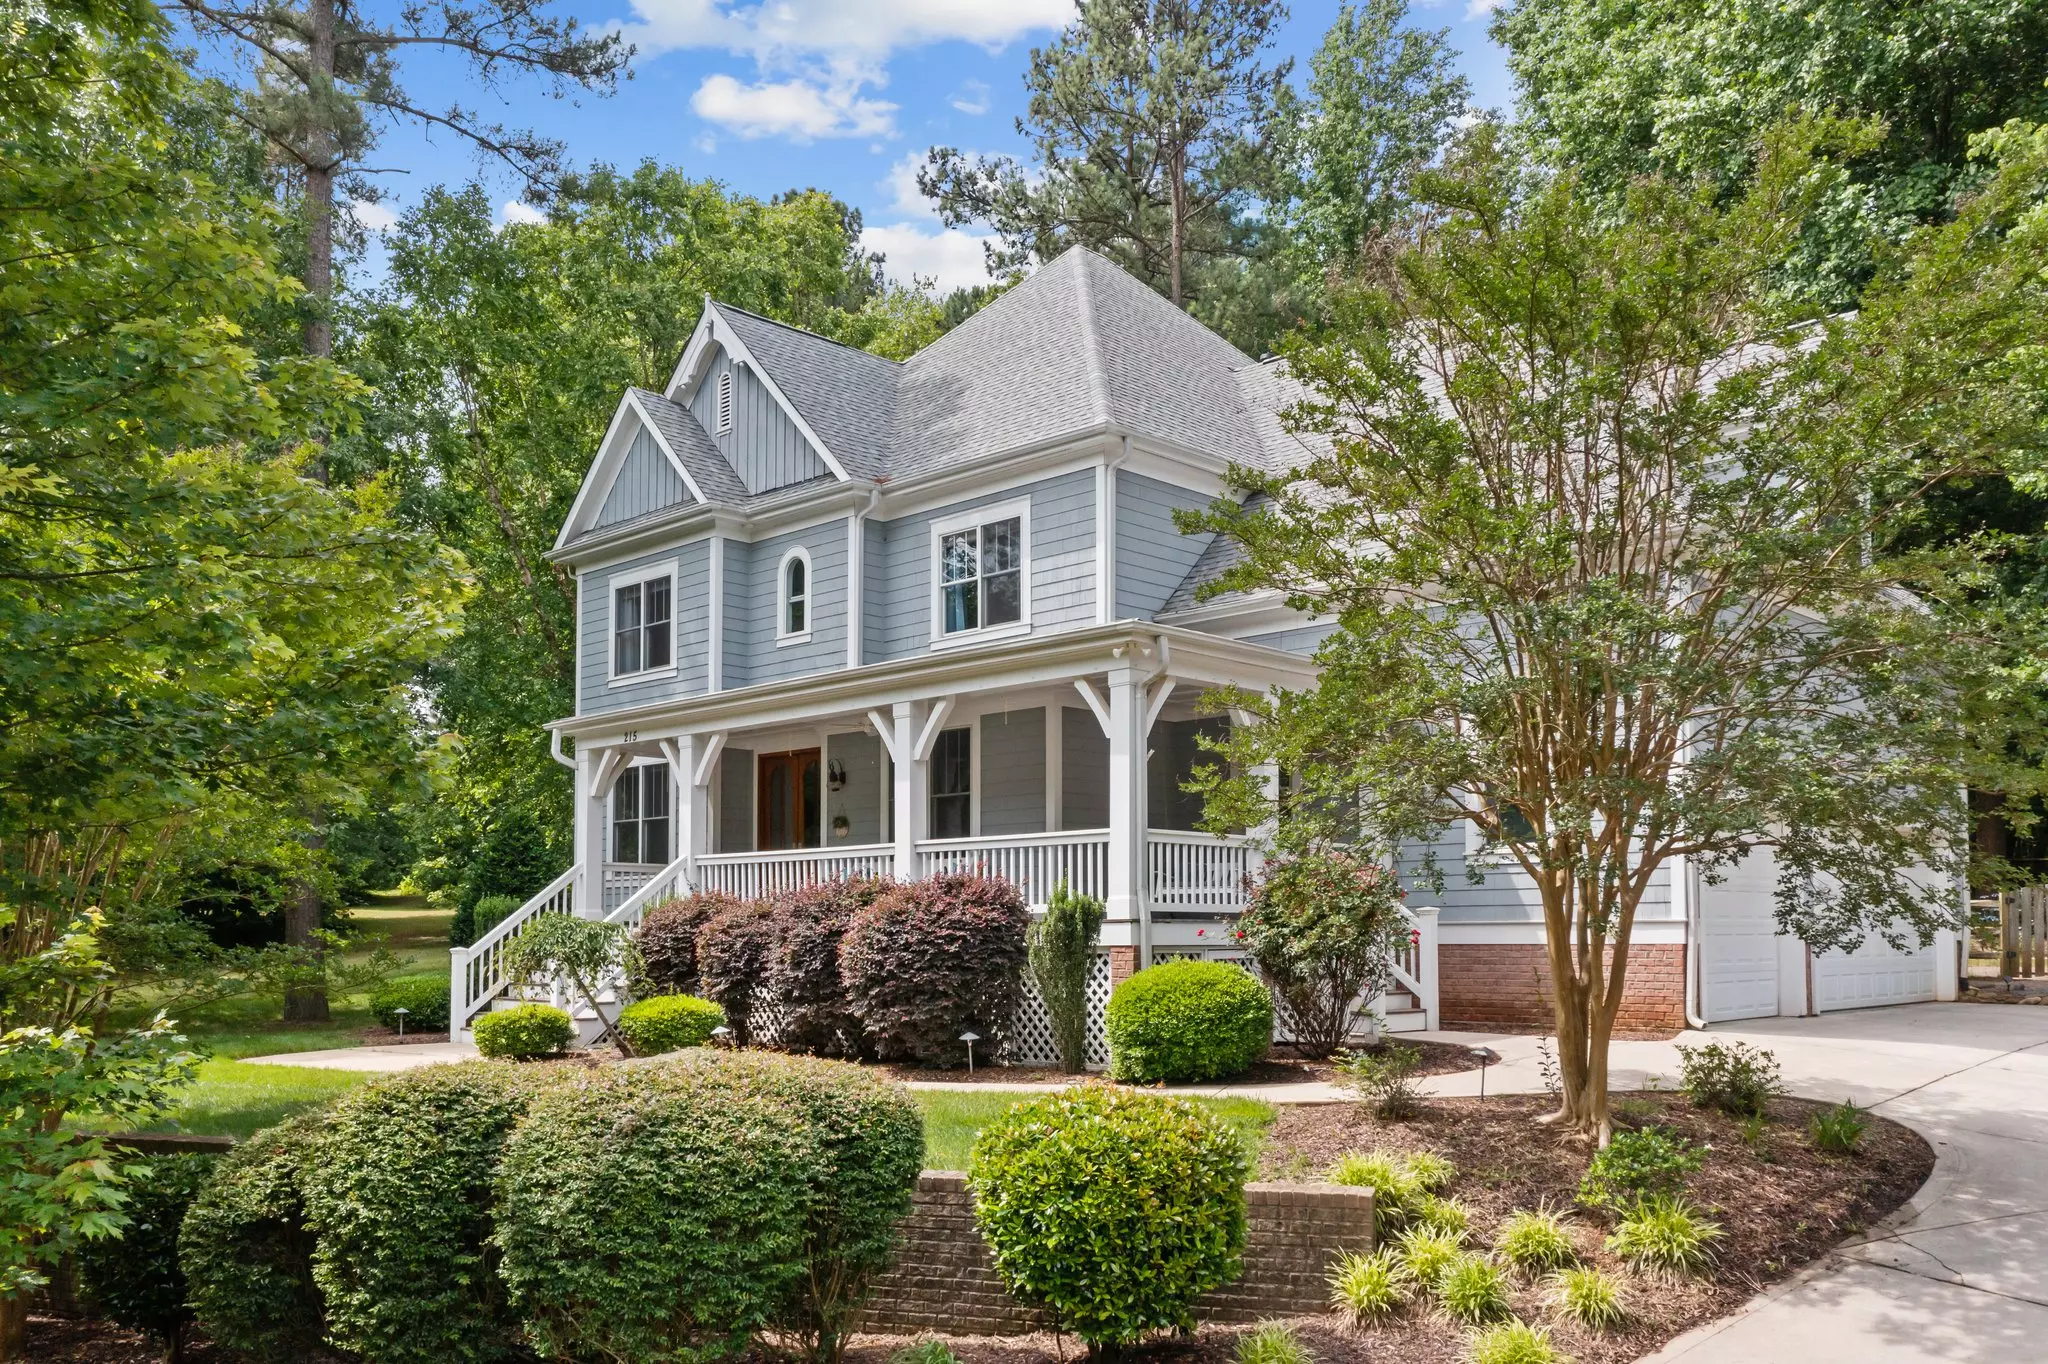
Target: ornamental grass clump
x,y
1472,1290
1110,1209
1271,1345
1513,1342
1838,1130
930,960
1446,1215
1429,1171
1589,1297
1534,1242
1187,1022
245,1249
1393,1190
1426,1253
1665,1234
1368,1288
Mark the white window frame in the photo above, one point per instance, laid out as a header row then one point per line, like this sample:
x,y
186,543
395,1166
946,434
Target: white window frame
x,y
783,634
722,401
637,774
1020,508
669,569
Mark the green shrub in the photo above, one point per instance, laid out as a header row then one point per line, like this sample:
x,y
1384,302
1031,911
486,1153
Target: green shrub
x,y
523,1031
1664,1233
1393,1189
1513,1342
400,1200
134,1277
1734,1077
490,911
1061,949
1270,1345
1426,1253
925,1352
424,999
929,960
676,1209
1588,1296
1111,1209
1838,1130
1324,928
246,1252
1429,1171
1187,1021
1534,1242
801,970
1634,1165
666,942
1384,1080
669,1023
1446,1215
1473,1290
1368,1287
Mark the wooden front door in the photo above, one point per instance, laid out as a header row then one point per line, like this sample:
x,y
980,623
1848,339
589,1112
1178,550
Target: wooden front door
x,y
789,801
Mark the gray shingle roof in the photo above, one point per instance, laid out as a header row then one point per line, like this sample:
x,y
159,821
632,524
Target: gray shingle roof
x,y
694,447
848,396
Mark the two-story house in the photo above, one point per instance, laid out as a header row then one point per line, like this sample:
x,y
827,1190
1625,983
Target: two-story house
x,y
843,615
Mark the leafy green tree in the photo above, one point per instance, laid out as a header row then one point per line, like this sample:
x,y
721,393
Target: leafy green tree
x,y
1061,950
1612,549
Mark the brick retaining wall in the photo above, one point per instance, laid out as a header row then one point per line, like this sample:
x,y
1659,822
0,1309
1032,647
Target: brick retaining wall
x,y
1509,983
944,1278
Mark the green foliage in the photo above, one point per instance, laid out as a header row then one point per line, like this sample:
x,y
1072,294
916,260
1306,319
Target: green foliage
x,y
246,1251
1473,1290
400,1199
1270,1345
134,1277
1513,1342
932,959
1588,1296
524,1031
801,973
1429,1171
1111,1209
732,961
1383,1080
1534,1241
1427,1252
1061,950
1370,1288
584,952
1323,928
473,921
1838,1130
1446,1215
424,999
1404,1188
1186,1021
1663,1232
1654,1160
925,1352
669,1023
1733,1077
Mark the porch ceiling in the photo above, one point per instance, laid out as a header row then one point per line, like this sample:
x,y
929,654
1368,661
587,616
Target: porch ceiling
x,y
1191,658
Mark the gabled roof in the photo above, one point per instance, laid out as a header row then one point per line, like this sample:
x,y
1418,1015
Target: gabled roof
x,y
692,444
846,394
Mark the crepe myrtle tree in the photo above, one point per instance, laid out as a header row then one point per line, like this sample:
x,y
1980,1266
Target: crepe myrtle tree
x,y
1622,559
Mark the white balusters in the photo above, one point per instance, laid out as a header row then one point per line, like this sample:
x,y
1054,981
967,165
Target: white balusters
x,y
476,973
1034,863
1199,871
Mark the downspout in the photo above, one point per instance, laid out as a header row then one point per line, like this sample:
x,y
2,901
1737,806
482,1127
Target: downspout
x,y
555,750
1682,885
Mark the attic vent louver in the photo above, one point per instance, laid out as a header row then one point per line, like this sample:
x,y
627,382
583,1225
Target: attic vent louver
x,y
724,402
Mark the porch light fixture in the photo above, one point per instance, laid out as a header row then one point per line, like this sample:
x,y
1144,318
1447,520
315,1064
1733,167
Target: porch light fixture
x,y
721,1035
401,1013
835,775
1485,1056
970,1039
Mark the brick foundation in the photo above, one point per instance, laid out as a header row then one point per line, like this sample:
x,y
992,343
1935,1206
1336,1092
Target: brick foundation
x,y
1123,964
945,1280
1508,985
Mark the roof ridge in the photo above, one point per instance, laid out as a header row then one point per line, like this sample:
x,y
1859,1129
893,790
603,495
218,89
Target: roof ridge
x,y
1091,345
802,331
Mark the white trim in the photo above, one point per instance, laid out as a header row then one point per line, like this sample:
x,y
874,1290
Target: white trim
x,y
667,568
973,519
1055,762
1157,702
1095,702
856,582
1105,532
714,618
783,634
736,350
921,751
604,470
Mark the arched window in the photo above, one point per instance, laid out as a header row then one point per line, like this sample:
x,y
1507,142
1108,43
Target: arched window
x,y
793,621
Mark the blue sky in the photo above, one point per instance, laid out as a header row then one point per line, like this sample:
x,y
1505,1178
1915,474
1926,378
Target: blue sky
x,y
844,95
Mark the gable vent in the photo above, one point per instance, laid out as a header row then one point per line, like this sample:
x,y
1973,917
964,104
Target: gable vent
x,y
724,402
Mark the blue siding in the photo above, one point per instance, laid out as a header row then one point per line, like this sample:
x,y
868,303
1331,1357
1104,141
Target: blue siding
x,y
1152,556
1504,893
1304,639
860,800
753,599
1013,772
899,615
691,640
764,447
646,482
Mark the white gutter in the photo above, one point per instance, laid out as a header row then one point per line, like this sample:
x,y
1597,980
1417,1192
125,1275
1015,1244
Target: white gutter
x,y
555,750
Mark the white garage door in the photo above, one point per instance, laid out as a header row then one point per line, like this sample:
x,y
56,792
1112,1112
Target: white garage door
x,y
1872,974
1739,944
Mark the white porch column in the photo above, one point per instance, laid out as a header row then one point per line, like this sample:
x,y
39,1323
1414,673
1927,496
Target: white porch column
x,y
1124,924
589,831
911,782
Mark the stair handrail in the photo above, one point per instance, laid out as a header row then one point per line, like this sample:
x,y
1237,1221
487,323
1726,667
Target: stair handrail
x,y
673,879
1422,982
476,973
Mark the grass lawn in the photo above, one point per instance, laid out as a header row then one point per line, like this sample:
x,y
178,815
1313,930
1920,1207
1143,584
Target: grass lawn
x,y
952,1118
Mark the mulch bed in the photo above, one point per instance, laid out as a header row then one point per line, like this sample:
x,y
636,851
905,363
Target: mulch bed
x,y
1281,1067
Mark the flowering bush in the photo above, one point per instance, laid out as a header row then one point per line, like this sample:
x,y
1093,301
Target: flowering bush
x,y
1324,927
802,967
929,960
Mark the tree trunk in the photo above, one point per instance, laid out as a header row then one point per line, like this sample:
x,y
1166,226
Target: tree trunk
x,y
14,1326
1177,213
301,922
319,328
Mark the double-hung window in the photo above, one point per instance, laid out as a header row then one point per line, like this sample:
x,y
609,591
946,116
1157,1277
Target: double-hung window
x,y
980,571
952,777
640,815
643,624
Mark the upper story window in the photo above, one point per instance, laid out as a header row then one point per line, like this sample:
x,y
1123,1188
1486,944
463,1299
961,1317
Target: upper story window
x,y
793,614
640,815
723,414
979,576
643,622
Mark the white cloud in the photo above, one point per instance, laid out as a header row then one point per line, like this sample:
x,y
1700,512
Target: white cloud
x,y
515,212
1479,9
796,109
372,215
905,199
950,257
971,97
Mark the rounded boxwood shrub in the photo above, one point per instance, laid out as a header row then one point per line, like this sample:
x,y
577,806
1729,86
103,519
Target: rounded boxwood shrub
x,y
669,1023
802,969
929,960
732,959
1187,1021
523,1032
134,1276
667,941
400,1201
673,1209
1110,1209
246,1251
424,999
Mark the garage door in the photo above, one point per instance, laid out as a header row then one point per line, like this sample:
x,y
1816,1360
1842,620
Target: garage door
x,y
1872,974
1739,944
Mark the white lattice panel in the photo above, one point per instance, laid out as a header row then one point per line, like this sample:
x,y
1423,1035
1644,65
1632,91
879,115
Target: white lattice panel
x,y
1030,1042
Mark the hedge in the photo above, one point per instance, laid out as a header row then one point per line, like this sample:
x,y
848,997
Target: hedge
x,y
669,1023
802,974
134,1277
245,1249
929,960
424,999
1187,1021
732,958
1112,1210
667,942
523,1032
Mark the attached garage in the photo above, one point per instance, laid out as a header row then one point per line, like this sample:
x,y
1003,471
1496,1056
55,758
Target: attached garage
x,y
1873,974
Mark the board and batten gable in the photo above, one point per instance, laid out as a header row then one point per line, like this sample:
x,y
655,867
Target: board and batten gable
x,y
691,637
764,447
753,602
1153,557
898,616
646,482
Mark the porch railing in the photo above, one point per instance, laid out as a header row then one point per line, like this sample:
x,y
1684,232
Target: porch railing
x,y
1199,871
752,875
670,881
1034,863
622,880
476,974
